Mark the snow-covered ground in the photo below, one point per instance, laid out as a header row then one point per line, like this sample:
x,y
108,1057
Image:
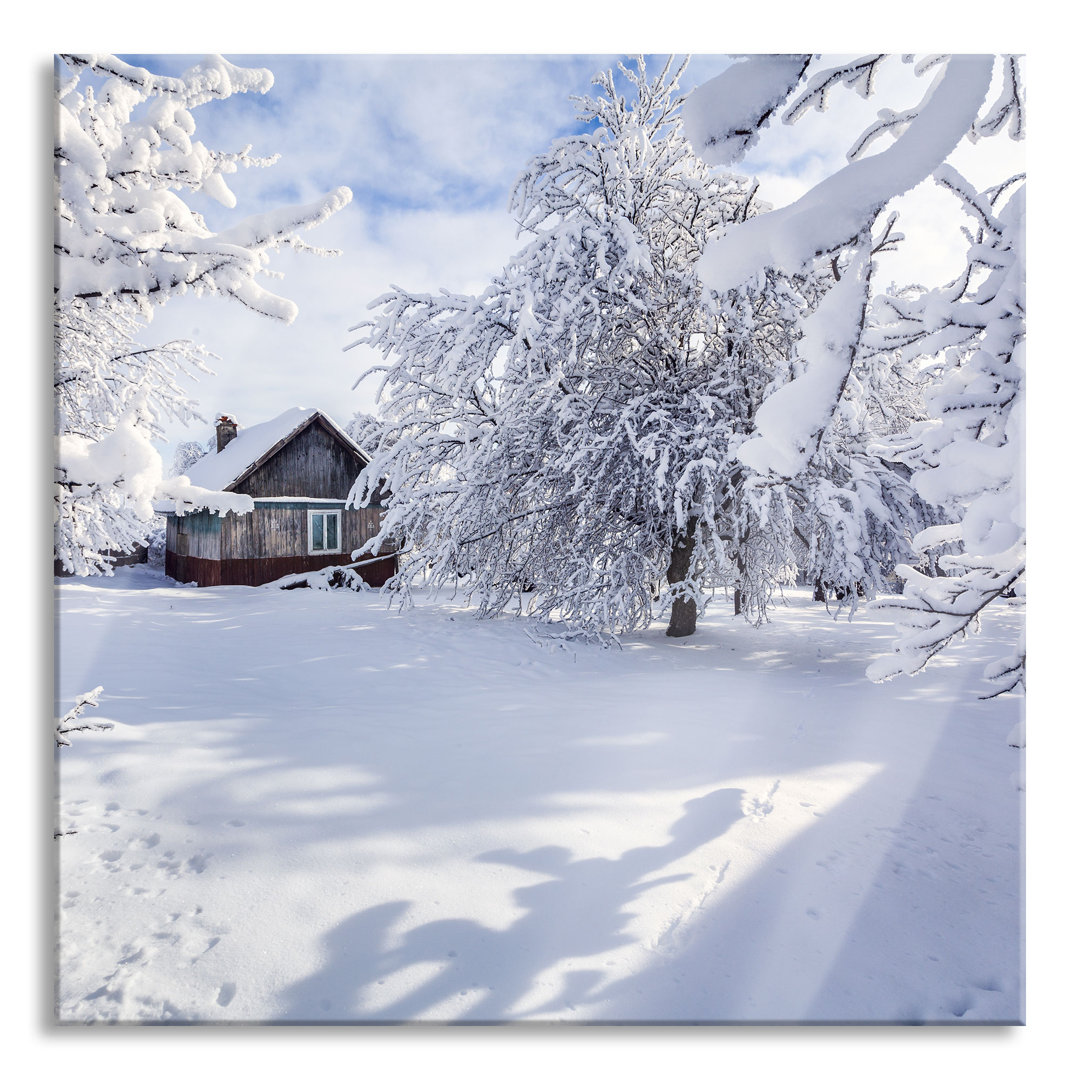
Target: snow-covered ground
x,y
313,807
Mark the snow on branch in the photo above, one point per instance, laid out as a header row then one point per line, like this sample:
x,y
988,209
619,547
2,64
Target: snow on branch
x,y
723,117
963,450
858,75
123,233
68,723
1010,107
214,77
789,425
832,214
938,610
969,455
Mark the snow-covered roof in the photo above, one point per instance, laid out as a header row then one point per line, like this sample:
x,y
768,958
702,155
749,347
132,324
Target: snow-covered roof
x,y
217,471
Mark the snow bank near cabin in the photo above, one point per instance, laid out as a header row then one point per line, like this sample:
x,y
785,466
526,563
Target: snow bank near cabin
x,y
313,807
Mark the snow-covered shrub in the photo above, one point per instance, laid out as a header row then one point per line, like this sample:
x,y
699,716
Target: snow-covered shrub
x,y
325,580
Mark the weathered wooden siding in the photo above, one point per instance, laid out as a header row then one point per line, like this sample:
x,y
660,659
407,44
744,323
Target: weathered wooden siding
x,y
197,535
314,464
266,533
184,568
277,531
193,547
271,542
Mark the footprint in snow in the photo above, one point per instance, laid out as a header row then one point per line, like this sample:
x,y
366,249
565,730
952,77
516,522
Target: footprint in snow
x,y
758,806
168,865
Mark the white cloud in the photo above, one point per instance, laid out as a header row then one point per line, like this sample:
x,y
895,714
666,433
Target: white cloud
x,y
266,367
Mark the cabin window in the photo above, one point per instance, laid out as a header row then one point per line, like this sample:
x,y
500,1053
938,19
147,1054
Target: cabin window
x,y
324,532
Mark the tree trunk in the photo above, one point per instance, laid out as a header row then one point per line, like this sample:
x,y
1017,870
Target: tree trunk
x,y
683,612
740,567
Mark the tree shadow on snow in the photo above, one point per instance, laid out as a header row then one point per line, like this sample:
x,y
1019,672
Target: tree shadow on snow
x,y
466,971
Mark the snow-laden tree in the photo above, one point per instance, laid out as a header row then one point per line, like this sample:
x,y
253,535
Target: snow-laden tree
x,y
852,511
110,395
835,505
968,455
365,430
126,241
563,441
186,454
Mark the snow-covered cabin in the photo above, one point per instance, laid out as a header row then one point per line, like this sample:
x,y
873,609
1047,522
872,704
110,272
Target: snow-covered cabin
x,y
298,468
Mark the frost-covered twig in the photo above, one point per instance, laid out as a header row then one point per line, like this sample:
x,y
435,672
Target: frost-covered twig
x,y
561,635
938,610
67,723
858,75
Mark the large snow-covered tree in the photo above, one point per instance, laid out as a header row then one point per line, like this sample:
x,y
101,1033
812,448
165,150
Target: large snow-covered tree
x,y
564,435
126,240
967,454
570,440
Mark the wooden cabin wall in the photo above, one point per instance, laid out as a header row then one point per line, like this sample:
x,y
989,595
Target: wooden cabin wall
x,y
366,523
266,533
281,531
314,464
271,542
196,535
193,547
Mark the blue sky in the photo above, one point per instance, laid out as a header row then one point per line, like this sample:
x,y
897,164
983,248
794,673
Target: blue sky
x,y
431,146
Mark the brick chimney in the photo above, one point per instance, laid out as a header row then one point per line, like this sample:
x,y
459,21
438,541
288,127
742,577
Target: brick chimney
x,y
226,431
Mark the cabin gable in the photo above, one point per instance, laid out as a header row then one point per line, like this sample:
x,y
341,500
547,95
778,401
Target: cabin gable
x,y
315,463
